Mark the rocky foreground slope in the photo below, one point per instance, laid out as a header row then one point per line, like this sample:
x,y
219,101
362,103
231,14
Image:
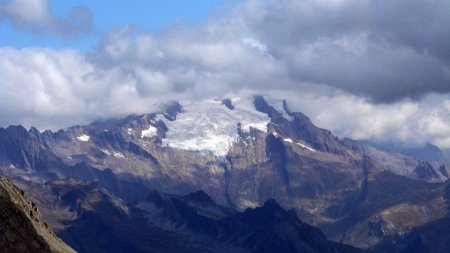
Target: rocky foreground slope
x,y
21,226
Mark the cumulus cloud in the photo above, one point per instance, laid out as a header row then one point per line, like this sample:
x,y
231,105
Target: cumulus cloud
x,y
36,16
51,89
407,122
385,50
363,69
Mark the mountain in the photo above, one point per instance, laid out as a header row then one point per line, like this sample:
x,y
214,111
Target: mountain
x,y
22,228
418,163
391,206
429,153
267,228
239,151
270,228
90,219
430,237
395,156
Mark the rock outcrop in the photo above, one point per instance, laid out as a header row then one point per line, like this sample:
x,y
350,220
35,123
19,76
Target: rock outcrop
x,y
21,226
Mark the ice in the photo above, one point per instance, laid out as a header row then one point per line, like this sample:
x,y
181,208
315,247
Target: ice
x,y
209,126
84,138
106,152
248,203
306,147
149,132
118,154
289,140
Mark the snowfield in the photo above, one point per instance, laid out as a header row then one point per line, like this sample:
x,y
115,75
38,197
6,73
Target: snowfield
x,y
209,126
149,132
84,138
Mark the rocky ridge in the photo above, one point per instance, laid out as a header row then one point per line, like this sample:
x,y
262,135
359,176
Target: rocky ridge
x,y
22,228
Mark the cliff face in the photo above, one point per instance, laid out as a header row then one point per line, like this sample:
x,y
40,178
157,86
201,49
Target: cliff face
x,y
21,226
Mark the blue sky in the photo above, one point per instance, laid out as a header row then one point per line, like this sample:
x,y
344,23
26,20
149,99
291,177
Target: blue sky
x,y
152,15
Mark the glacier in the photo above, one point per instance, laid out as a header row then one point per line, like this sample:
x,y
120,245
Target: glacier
x,y
211,127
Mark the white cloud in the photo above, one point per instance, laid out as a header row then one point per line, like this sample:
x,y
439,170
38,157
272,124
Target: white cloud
x,y
35,15
253,43
406,122
28,11
57,88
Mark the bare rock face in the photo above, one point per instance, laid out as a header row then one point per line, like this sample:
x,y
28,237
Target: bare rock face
x,y
425,171
21,226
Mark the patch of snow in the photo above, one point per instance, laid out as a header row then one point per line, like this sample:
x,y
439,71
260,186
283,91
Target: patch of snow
x,y
209,126
130,131
106,151
84,138
275,134
149,132
277,104
304,146
12,166
246,113
248,204
289,140
118,154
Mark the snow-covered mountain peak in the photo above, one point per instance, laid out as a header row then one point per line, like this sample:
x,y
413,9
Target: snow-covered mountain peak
x,y
210,125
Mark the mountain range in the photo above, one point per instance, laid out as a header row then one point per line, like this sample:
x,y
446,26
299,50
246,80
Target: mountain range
x,y
219,175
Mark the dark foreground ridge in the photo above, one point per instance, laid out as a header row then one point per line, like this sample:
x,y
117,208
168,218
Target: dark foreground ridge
x,y
194,223
21,226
